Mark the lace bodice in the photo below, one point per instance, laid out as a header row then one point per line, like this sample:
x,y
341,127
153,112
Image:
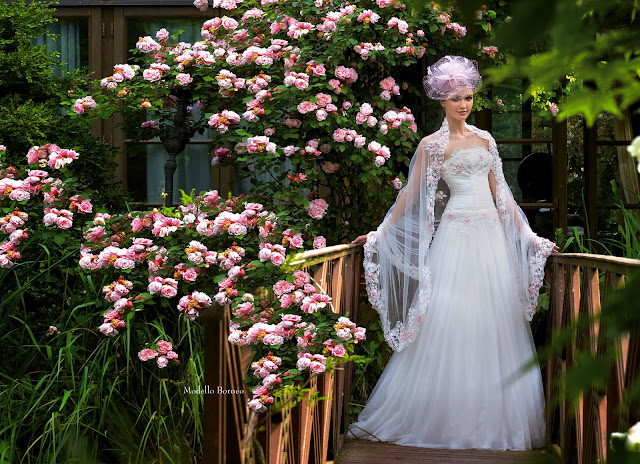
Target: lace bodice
x,y
466,172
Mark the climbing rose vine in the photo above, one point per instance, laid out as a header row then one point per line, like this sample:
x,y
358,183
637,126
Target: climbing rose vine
x,y
297,94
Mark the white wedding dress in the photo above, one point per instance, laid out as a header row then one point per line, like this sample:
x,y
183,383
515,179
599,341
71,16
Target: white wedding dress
x,y
459,384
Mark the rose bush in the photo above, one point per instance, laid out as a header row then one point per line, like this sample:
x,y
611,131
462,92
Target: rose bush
x,y
228,251
176,259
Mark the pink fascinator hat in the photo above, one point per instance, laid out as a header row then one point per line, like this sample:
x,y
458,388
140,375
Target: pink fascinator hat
x,y
449,74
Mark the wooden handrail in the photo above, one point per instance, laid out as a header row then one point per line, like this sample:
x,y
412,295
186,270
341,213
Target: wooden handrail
x,y
603,262
575,293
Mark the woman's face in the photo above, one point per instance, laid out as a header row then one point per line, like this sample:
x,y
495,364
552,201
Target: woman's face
x,y
459,106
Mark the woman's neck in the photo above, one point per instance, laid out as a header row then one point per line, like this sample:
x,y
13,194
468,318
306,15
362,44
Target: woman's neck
x,y
456,126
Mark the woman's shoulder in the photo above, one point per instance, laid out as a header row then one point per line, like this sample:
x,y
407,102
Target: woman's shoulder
x,y
480,132
428,140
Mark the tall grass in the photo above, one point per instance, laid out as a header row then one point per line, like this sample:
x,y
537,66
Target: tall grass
x,y
79,397
626,245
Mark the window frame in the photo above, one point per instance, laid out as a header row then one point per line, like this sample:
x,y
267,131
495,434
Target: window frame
x,y
107,29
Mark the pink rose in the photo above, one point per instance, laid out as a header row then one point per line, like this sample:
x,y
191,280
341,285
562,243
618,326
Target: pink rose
x,y
151,75
282,286
164,346
303,363
319,70
307,107
277,259
168,291
229,23
147,354
184,79
154,287
202,5
338,351
108,330
64,222
296,241
162,34
319,242
321,115
317,367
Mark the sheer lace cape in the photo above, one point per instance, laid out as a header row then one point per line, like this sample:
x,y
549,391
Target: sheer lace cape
x,y
398,274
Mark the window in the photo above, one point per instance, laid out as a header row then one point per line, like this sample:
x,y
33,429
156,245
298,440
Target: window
x,y
525,144
72,43
95,35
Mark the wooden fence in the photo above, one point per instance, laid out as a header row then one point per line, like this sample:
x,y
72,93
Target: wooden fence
x,y
575,292
310,432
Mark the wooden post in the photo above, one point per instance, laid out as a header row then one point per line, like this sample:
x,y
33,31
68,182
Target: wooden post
x,y
571,418
594,430
615,384
554,364
591,178
213,449
559,175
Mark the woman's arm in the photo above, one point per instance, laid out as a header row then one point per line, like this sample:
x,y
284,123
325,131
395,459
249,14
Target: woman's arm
x,y
413,182
492,184
411,190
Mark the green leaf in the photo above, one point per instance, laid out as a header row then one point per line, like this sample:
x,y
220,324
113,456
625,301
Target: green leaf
x,y
60,238
65,397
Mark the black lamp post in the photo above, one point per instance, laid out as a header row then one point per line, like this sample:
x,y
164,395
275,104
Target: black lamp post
x,y
174,139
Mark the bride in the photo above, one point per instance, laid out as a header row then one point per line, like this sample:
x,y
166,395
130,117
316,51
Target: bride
x,y
455,290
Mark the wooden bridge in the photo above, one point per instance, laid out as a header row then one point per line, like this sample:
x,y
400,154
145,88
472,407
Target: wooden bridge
x,y
313,432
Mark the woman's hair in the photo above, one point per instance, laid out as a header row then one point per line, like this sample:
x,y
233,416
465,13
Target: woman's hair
x,y
449,74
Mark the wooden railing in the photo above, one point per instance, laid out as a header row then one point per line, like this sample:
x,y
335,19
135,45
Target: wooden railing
x,y
311,431
575,293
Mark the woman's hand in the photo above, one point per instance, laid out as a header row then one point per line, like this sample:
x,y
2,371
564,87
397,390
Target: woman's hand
x,y
555,249
360,240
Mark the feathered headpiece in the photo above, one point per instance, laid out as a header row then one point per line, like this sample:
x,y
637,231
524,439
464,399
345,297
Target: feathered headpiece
x,y
447,76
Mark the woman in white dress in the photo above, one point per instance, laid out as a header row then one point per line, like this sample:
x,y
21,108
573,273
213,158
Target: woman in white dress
x,y
455,290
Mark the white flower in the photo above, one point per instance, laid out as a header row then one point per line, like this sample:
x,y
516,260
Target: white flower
x,y
633,435
634,150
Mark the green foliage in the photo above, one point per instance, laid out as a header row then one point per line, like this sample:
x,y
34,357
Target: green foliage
x,y
559,45
597,42
20,62
67,397
625,243
30,102
628,227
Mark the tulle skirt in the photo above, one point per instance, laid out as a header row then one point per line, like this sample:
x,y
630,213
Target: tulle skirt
x,y
460,384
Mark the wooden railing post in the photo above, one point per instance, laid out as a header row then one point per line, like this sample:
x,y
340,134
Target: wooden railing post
x,y
554,365
225,414
616,382
594,402
214,449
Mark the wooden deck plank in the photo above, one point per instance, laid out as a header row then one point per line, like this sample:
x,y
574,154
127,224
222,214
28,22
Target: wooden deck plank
x,y
371,452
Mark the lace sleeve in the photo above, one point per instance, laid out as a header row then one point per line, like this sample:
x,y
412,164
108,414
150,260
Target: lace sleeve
x,y
396,262
527,250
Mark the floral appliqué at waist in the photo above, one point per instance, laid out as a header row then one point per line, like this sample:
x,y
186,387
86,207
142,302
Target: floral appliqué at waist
x,y
470,216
